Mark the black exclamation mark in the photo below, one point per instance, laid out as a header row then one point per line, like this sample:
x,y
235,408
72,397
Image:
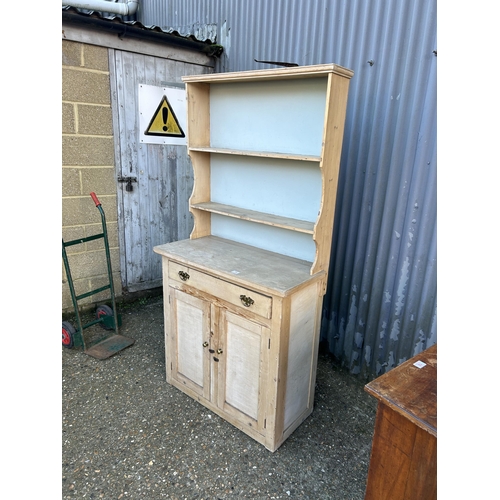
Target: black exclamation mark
x,y
165,116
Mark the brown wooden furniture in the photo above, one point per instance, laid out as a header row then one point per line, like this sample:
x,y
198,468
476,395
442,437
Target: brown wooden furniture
x,y
245,291
403,463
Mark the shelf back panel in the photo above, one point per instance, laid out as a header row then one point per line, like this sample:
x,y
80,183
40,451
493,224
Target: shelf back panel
x,y
278,187
290,243
274,116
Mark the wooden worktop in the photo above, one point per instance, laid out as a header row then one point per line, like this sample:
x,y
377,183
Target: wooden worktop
x,y
262,270
411,391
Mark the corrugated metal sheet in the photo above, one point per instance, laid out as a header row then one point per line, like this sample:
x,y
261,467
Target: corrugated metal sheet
x,y
380,308
205,35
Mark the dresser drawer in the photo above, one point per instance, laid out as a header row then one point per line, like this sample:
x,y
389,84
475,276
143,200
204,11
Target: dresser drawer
x,y
234,294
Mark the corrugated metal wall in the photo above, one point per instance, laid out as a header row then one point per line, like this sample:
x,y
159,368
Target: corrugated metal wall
x,y
380,307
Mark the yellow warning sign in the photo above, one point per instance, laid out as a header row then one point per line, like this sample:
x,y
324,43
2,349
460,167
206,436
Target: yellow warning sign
x,y
164,121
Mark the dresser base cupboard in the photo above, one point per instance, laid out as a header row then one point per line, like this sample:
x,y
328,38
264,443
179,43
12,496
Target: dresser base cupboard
x,y
243,296
239,341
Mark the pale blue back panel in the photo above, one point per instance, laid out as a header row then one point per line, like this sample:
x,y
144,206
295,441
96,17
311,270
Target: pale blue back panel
x,y
241,116
291,243
278,187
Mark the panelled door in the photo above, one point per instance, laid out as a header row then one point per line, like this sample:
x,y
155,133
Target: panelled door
x,y
189,363
244,360
154,181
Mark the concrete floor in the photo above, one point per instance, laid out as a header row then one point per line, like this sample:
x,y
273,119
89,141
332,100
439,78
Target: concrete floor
x,y
126,433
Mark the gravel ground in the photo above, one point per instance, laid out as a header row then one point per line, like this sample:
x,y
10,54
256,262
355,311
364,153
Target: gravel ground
x,y
127,434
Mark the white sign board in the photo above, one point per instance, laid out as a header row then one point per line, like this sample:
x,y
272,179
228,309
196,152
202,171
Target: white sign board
x,y
162,115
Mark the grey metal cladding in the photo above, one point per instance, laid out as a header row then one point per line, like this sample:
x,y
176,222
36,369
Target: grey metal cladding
x,y
381,307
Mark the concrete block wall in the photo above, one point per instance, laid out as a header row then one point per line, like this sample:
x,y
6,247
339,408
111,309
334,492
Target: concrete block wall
x,y
88,165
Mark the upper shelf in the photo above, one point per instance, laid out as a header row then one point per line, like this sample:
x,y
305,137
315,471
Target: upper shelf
x,y
262,154
275,116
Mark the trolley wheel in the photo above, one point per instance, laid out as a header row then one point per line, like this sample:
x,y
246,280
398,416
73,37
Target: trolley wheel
x,y
68,334
104,310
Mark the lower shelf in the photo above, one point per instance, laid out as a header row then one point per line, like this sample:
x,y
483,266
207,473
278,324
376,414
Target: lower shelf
x,y
255,216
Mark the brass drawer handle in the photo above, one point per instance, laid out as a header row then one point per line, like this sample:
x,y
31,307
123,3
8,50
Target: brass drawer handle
x,y
205,344
219,351
247,301
183,275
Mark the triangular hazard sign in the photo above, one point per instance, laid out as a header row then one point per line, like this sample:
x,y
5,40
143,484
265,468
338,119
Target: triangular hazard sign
x,y
164,121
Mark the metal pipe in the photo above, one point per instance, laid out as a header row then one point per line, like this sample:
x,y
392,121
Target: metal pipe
x,y
125,9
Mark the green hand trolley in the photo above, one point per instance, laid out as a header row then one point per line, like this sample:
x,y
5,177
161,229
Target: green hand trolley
x,y
106,316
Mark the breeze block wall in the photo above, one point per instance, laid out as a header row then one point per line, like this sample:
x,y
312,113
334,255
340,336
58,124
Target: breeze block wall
x,y
87,166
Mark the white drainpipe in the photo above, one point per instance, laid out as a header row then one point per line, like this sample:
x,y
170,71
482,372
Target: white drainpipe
x,y
124,9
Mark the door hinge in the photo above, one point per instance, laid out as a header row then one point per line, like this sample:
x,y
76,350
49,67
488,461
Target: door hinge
x,y
269,344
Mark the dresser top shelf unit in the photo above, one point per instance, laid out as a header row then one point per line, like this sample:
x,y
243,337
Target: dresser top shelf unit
x,y
265,147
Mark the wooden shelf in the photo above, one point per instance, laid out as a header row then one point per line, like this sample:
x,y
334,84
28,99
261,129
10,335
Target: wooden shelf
x,y
260,154
255,216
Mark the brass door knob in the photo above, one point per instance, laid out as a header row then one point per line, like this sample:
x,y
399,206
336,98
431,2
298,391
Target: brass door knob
x,y
205,344
219,351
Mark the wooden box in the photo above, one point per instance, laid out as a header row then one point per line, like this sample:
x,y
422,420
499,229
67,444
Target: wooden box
x,y
245,291
403,461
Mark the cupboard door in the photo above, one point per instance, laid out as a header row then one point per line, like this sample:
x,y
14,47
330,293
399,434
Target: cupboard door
x,y
190,342
243,363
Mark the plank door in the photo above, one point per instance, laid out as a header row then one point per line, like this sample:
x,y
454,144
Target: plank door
x,y
156,209
188,347
242,369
